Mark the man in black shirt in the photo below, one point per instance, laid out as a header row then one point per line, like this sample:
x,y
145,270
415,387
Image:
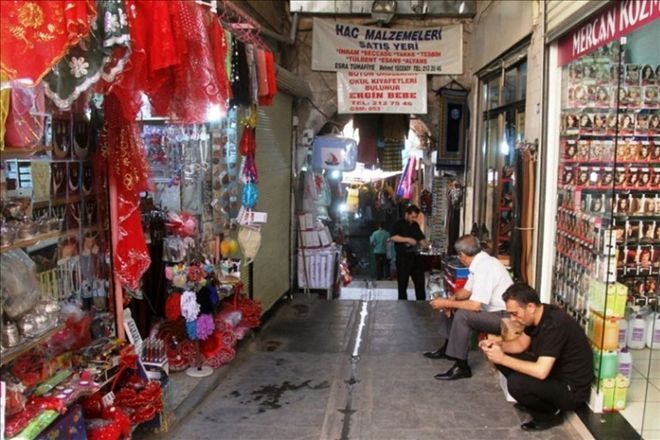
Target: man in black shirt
x,y
406,235
549,368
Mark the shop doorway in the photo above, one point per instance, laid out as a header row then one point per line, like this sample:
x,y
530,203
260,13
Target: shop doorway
x,y
502,123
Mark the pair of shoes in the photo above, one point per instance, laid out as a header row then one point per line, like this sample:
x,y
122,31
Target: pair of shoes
x,y
542,424
438,354
454,373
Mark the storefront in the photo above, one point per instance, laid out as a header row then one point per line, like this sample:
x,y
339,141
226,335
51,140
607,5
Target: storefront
x,y
146,213
602,155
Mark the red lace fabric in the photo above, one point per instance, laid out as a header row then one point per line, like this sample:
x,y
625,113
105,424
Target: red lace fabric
x,y
124,153
198,80
34,36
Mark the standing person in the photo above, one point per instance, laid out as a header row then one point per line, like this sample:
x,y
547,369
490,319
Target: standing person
x,y
478,306
406,235
378,242
549,367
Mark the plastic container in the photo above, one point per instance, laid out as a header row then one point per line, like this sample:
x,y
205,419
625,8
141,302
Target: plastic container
x,y
623,333
606,364
607,389
653,331
625,363
621,393
604,331
637,332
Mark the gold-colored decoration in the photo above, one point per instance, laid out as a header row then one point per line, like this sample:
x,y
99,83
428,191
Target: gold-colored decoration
x,y
31,15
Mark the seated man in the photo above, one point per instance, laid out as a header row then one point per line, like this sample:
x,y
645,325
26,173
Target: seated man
x,y
549,368
478,306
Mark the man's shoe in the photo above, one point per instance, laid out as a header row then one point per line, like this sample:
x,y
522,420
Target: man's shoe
x,y
438,354
520,407
455,373
543,424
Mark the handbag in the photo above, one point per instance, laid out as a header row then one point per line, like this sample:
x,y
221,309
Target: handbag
x,y
25,122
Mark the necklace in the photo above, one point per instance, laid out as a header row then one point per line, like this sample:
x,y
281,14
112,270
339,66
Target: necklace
x,y
74,174
61,141
58,178
89,213
81,139
87,182
74,208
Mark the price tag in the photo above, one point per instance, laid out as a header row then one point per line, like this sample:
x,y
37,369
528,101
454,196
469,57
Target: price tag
x,y
108,399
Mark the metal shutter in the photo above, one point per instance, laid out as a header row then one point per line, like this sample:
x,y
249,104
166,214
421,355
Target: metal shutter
x,y
562,15
271,267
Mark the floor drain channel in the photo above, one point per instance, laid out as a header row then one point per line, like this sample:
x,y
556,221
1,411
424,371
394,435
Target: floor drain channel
x,y
348,410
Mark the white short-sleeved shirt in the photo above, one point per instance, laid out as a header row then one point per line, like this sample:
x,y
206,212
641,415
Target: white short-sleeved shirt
x,y
487,281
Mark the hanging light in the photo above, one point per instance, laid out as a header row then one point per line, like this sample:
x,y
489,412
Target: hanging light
x,y
214,113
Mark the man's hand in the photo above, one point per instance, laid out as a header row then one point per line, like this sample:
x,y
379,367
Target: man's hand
x,y
438,303
494,353
488,343
412,241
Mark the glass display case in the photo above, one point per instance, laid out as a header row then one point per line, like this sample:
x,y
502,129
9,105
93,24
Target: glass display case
x,y
607,246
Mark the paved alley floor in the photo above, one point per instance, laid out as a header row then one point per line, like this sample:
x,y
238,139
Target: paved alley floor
x,y
297,379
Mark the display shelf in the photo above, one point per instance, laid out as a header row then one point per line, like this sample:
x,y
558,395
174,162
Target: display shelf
x,y
612,163
32,241
23,153
58,201
11,354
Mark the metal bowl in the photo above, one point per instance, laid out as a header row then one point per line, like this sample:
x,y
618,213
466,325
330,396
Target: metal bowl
x,y
26,230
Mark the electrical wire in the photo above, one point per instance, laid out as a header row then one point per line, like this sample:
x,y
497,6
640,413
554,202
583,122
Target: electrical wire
x,y
318,109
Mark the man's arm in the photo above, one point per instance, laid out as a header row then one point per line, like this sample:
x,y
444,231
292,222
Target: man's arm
x,y
540,369
465,304
402,239
462,294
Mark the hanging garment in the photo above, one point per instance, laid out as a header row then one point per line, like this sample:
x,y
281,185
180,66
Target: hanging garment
x,y
262,74
4,110
267,100
367,148
392,160
250,52
102,54
34,36
240,80
25,121
126,160
352,200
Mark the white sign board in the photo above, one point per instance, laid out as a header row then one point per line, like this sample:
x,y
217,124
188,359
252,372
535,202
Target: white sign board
x,y
435,50
371,92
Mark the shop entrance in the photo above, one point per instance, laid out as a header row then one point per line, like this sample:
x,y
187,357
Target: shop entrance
x,y
502,121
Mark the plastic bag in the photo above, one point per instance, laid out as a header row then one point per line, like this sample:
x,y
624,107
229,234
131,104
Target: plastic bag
x,y
249,239
250,195
19,288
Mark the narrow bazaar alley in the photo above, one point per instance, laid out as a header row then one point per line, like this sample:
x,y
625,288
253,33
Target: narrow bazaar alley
x,y
299,378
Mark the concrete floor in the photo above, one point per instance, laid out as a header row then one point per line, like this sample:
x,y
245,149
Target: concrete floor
x,y
296,380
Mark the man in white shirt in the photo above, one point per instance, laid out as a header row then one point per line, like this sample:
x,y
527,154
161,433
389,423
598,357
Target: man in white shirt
x,y
478,306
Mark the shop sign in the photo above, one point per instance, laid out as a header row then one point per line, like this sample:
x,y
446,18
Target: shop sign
x,y
621,18
371,92
342,46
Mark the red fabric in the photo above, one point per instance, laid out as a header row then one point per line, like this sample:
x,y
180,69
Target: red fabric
x,y
126,161
173,306
34,36
267,99
248,143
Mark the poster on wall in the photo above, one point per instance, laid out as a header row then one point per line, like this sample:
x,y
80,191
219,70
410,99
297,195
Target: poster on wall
x,y
342,46
371,92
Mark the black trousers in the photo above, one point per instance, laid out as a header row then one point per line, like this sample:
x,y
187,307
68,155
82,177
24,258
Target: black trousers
x,y
407,266
542,397
382,266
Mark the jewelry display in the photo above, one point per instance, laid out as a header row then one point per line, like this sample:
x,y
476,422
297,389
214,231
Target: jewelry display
x,y
81,132
73,215
90,211
61,138
41,175
58,172
87,179
74,177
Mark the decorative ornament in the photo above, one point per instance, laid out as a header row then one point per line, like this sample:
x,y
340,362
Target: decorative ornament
x,y
191,330
189,306
173,306
205,326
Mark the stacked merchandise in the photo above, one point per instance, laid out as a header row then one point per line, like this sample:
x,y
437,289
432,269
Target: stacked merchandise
x,y
440,207
608,241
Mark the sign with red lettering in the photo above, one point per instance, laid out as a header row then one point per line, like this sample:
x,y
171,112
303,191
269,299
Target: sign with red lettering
x,y
615,21
371,92
341,47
